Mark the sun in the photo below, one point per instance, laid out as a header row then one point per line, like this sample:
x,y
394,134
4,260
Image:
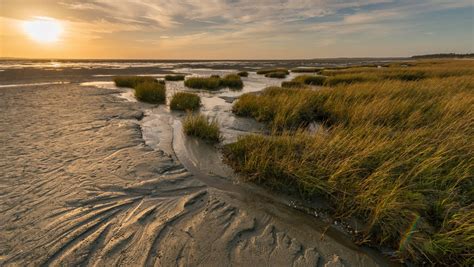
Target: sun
x,y
43,29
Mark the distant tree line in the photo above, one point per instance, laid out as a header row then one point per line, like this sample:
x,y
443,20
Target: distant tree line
x,y
445,55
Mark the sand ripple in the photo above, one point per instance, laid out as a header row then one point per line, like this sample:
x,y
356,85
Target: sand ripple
x,y
79,187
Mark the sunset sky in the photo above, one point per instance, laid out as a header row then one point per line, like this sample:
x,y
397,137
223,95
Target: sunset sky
x,y
233,29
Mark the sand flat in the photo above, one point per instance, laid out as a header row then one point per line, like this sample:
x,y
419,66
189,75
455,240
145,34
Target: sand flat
x,y
78,185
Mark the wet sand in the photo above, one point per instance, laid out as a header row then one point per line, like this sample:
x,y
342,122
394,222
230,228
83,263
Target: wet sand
x,y
29,71
79,186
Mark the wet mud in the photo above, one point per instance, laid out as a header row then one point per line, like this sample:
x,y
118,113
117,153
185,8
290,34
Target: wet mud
x,y
89,177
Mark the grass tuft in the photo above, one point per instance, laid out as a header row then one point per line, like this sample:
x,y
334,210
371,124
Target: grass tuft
x,y
132,81
266,71
243,74
208,83
185,101
232,81
277,74
214,82
201,126
151,92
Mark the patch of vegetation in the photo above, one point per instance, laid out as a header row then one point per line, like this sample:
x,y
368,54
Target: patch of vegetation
x,y
243,74
266,71
185,101
307,70
397,154
214,82
132,81
398,71
151,92
349,79
310,79
232,81
292,84
444,55
201,126
177,77
208,83
282,108
405,75
215,76
277,74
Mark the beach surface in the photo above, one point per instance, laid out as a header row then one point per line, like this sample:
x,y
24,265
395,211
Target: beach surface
x,y
80,186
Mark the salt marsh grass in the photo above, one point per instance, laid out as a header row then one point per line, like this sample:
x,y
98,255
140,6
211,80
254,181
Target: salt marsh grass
x,y
397,152
201,126
151,92
185,101
132,81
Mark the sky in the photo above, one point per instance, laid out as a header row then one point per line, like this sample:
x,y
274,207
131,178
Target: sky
x,y
234,29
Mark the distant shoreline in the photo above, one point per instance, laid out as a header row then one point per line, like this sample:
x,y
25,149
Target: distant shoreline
x,y
421,56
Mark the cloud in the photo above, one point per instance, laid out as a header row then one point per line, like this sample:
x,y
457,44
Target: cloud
x,y
212,24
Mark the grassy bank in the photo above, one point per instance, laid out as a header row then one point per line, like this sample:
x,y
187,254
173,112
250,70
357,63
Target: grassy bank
x,y
404,72
397,153
185,101
291,84
201,126
310,79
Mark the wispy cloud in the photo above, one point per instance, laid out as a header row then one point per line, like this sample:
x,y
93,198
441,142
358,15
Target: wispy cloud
x,y
187,23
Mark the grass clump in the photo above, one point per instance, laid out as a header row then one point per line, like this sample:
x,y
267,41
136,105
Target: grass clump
x,y
201,126
267,71
277,74
208,83
232,81
132,81
185,101
307,70
243,74
397,154
151,92
177,77
215,82
310,79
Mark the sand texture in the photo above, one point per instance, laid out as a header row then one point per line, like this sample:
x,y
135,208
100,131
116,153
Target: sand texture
x,y
78,186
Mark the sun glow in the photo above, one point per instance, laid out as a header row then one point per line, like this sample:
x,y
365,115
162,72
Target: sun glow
x,y
43,29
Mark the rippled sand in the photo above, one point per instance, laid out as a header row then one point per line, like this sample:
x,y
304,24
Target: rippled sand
x,y
78,186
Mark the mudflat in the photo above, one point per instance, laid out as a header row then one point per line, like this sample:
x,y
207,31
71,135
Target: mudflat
x,y
78,185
